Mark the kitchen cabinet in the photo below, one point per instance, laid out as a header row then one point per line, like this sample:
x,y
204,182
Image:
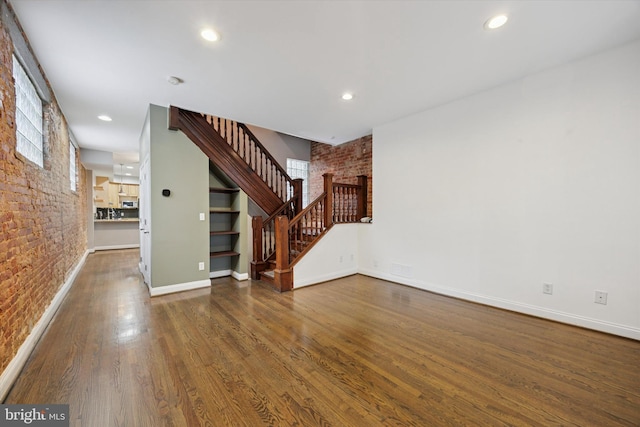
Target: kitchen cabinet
x,y
130,192
133,190
114,201
101,192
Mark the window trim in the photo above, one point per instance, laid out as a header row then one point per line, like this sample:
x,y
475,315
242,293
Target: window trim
x,y
22,51
73,166
305,180
26,94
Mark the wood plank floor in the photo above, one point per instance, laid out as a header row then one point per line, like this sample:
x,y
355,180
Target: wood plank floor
x,y
352,352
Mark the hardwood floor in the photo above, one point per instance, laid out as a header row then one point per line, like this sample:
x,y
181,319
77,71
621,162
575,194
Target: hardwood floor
x,y
352,352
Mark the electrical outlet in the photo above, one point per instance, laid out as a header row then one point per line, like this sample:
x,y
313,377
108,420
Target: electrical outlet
x,y
547,288
201,266
201,216
601,297
340,258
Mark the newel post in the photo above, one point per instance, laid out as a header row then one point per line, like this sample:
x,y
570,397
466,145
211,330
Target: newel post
x,y
328,189
363,192
257,264
297,195
282,274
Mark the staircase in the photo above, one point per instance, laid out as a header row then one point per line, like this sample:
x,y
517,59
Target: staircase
x,y
238,153
289,232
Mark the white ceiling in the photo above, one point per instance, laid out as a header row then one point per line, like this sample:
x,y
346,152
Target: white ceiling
x,y
284,65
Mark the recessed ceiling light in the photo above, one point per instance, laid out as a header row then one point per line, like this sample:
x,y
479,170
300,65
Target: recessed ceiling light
x,y
210,35
105,118
495,22
127,174
347,96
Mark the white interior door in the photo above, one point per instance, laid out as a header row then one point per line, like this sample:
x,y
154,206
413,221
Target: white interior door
x,y
144,210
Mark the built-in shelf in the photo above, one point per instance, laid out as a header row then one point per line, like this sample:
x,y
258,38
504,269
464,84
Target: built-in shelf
x,y
225,233
223,254
223,210
223,190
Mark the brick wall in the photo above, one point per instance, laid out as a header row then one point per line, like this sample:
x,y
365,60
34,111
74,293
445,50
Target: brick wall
x,y
345,161
43,227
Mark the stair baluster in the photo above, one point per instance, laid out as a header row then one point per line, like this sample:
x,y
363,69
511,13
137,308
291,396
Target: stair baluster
x,y
289,232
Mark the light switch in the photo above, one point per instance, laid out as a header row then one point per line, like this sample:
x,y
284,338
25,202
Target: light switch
x,y
201,216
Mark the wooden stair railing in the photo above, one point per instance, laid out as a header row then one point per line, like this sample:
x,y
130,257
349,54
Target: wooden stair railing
x,y
288,233
264,238
238,153
290,238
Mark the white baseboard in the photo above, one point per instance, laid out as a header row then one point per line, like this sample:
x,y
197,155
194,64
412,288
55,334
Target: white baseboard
x,y
240,276
180,287
113,247
225,273
219,273
11,372
545,313
308,281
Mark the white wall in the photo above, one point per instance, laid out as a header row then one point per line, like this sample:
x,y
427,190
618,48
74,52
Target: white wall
x,y
334,255
535,181
282,146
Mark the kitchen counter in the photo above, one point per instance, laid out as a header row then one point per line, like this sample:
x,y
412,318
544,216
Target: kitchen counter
x,y
116,233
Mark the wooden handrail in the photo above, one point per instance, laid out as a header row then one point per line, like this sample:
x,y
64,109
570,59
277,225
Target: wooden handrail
x,y
352,186
304,229
238,153
266,232
307,209
289,231
268,154
307,227
339,203
255,155
288,204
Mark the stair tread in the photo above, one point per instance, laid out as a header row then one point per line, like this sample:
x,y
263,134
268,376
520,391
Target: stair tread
x,y
268,276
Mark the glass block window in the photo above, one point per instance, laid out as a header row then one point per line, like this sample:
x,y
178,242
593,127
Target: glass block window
x,y
28,116
300,169
73,170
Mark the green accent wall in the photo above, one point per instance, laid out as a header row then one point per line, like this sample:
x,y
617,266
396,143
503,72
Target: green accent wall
x,y
179,239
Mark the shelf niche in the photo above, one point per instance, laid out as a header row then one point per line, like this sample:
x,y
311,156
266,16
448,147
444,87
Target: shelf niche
x,y
224,231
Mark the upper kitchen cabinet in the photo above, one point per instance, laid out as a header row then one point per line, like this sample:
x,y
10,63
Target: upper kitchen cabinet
x,y
101,192
111,194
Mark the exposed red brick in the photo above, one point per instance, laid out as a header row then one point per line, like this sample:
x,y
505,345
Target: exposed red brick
x,y
345,162
43,230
